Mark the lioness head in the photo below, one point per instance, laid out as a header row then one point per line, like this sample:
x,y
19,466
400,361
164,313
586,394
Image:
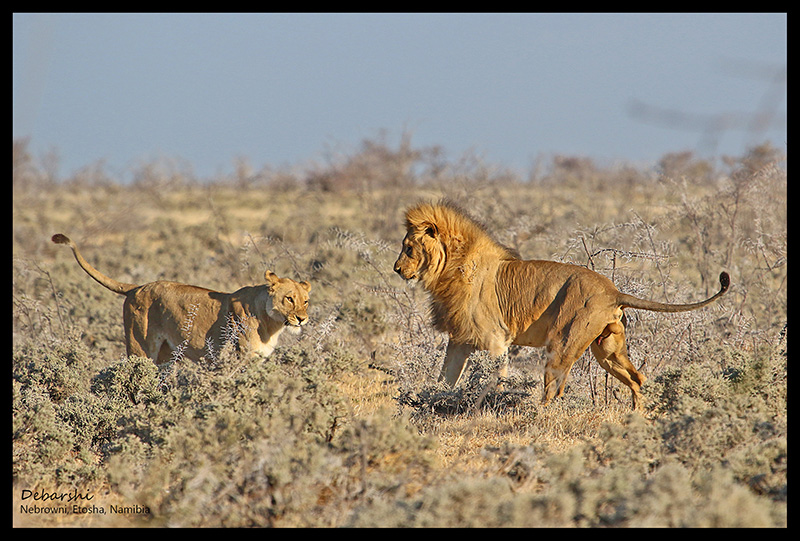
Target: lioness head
x,y
289,300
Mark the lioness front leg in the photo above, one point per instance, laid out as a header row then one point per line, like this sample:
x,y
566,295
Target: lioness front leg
x,y
455,362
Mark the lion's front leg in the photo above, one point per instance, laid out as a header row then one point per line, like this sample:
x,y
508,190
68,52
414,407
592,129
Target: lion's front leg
x,y
498,349
455,362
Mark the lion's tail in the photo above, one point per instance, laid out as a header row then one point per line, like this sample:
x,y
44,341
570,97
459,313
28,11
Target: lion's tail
x,y
102,279
629,301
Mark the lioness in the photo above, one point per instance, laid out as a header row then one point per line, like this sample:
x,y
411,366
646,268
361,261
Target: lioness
x,y
487,298
162,317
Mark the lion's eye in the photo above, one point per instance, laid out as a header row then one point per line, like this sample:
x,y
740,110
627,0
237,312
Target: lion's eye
x,y
291,300
409,251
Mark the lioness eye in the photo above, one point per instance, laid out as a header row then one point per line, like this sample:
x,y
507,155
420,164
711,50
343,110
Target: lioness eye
x,y
291,300
409,251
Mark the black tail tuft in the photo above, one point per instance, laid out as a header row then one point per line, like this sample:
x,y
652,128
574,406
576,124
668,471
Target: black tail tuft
x,y
58,238
724,281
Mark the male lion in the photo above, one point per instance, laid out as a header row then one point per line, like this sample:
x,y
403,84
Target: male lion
x,y
162,316
486,298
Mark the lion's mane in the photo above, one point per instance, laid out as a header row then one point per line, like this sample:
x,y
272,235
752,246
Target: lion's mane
x,y
463,291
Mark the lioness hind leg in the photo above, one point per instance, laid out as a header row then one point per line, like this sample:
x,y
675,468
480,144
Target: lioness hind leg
x,y
611,353
164,353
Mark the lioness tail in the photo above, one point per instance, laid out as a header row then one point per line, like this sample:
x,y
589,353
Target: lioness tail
x,y
102,279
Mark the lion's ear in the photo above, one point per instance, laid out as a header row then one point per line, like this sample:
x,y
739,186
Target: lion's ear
x,y
306,286
431,229
271,277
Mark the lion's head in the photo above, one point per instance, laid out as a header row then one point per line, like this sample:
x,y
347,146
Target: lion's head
x,y
439,239
420,254
289,300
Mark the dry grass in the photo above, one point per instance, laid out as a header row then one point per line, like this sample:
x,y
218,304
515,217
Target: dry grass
x,y
345,425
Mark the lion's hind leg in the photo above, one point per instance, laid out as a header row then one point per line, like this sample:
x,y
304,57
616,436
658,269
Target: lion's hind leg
x,y
556,369
612,354
564,344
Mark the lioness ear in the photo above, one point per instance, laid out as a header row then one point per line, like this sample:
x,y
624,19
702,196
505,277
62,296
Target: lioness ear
x,y
306,286
271,277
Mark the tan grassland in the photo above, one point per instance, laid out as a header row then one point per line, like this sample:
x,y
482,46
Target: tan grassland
x,y
345,424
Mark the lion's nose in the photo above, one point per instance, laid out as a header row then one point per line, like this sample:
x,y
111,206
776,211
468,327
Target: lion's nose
x,y
396,267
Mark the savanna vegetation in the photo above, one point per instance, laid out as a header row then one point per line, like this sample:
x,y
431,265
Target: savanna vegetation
x,y
345,424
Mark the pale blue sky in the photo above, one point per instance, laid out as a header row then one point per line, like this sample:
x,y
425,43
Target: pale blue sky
x,y
284,89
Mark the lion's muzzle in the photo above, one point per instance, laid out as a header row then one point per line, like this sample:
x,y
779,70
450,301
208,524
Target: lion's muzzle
x,y
398,268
